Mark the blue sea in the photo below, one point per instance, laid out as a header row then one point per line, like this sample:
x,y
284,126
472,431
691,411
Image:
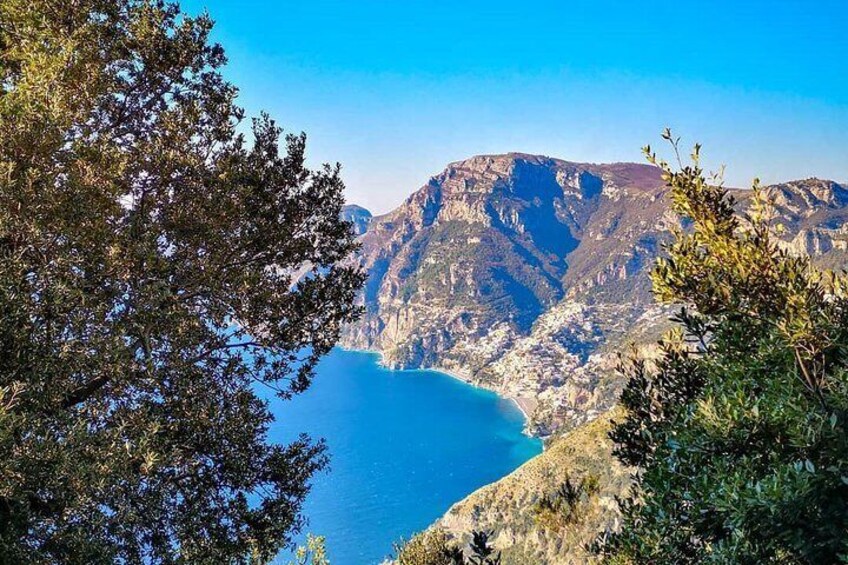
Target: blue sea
x,y
404,446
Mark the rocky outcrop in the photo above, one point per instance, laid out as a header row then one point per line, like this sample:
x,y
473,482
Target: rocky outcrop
x,y
813,214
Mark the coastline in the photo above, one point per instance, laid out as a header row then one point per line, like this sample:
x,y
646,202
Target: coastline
x,y
518,402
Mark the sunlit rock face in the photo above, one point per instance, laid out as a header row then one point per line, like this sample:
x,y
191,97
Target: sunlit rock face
x,y
524,274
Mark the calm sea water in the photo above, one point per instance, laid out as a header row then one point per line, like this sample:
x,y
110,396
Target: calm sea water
x,y
404,446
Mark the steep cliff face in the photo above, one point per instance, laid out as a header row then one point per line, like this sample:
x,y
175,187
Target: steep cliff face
x,y
814,213
524,273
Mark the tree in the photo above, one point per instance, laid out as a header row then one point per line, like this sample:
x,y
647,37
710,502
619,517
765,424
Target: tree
x,y
567,505
150,280
431,547
435,547
739,429
482,552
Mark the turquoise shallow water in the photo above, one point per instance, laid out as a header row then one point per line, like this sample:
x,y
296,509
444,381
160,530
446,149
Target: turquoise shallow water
x,y
404,446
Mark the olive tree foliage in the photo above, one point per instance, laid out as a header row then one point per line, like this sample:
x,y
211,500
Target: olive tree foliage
x,y
313,553
740,429
150,262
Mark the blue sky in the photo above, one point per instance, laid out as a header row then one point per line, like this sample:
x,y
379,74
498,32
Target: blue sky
x,y
395,90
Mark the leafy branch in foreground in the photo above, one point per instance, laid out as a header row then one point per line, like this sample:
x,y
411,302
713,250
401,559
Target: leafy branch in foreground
x,y
313,553
148,255
738,430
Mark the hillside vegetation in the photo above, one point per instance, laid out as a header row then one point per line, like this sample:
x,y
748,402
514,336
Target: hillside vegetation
x,y
738,429
511,509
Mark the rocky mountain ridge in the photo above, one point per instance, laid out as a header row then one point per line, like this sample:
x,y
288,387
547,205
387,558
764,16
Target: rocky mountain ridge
x,y
524,274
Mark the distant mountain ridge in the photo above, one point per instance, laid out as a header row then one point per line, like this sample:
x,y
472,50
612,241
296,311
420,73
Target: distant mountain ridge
x,y
524,273
358,216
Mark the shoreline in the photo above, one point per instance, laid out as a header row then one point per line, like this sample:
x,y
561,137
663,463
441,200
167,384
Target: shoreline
x,y
518,402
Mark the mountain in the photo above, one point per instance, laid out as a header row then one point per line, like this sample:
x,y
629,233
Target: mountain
x,y
525,274
358,216
512,272
812,214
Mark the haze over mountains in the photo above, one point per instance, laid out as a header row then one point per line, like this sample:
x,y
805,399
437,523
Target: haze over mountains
x,y
525,274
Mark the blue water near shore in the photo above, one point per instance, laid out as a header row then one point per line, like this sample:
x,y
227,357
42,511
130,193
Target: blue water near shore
x,y
404,446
